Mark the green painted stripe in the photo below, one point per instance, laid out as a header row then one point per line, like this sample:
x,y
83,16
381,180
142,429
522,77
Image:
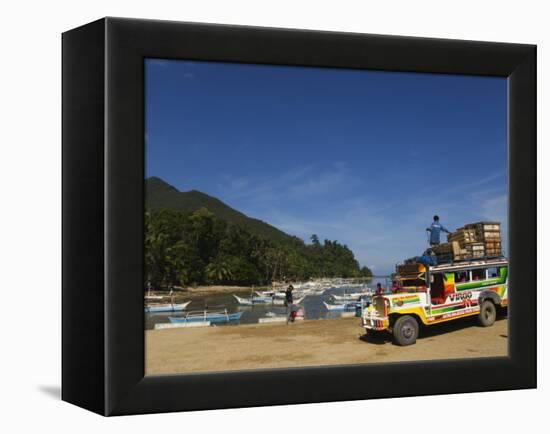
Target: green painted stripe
x,y
411,300
477,284
446,309
407,301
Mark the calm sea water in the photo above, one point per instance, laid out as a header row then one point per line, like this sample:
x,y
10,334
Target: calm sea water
x,y
313,307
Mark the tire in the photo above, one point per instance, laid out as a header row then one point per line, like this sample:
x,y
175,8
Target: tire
x,y
487,313
405,331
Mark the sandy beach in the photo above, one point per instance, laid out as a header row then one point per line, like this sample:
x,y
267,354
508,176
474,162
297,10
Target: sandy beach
x,y
311,343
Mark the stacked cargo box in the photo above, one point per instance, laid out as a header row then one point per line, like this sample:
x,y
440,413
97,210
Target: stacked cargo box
x,y
444,252
461,239
489,234
476,240
475,250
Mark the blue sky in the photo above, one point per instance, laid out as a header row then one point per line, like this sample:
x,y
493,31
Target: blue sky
x,y
363,157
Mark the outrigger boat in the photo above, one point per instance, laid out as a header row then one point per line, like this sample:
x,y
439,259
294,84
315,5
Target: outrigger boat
x,y
342,306
252,300
169,307
264,300
154,297
269,293
281,294
354,296
205,315
308,288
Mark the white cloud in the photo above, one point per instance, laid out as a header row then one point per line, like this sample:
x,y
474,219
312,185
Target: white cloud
x,y
380,230
295,183
337,177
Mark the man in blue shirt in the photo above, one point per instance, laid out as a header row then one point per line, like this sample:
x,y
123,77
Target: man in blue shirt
x,y
435,230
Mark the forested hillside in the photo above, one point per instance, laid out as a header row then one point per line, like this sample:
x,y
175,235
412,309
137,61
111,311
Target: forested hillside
x,y
192,238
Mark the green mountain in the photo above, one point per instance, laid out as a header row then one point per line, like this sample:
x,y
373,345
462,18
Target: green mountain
x,y
159,194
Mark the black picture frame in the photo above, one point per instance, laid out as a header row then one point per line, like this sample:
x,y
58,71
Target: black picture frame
x,y
103,203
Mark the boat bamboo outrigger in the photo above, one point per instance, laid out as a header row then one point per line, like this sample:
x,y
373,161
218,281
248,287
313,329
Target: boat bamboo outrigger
x,y
264,300
168,307
252,300
220,316
154,297
350,297
341,306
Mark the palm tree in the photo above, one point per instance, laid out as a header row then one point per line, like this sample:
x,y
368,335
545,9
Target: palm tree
x,y
218,271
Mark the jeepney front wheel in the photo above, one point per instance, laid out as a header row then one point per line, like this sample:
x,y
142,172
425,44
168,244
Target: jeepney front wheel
x,y
405,330
487,313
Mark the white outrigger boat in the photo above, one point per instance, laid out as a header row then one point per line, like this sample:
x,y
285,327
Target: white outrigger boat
x,y
220,316
168,307
270,293
264,300
352,296
154,297
280,294
341,306
253,300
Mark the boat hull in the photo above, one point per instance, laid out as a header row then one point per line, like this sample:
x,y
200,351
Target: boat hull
x,y
341,307
252,301
180,307
350,298
211,317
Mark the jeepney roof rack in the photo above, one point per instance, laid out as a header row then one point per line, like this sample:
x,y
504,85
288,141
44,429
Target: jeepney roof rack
x,y
485,260
482,260
449,259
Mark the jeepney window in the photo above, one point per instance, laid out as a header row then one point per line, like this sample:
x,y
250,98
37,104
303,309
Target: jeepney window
x,y
493,272
478,274
462,276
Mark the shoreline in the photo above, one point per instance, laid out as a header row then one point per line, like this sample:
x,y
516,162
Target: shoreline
x,y
200,291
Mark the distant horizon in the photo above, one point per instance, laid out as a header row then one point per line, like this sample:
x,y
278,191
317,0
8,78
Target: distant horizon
x,y
362,157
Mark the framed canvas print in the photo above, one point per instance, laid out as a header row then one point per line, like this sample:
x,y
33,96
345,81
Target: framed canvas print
x,y
257,216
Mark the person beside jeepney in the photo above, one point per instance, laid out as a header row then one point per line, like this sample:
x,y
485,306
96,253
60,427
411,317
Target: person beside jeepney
x,y
379,290
435,230
395,287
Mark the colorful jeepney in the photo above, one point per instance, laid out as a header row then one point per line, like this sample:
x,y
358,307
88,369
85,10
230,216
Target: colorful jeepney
x,y
432,294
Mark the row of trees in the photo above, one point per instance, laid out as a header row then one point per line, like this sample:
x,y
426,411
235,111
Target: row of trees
x,y
198,248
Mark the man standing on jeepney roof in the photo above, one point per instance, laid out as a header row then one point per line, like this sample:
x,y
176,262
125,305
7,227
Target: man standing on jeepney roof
x,y
435,230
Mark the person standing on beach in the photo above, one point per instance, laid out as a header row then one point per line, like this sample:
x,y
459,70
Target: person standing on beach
x,y
435,230
172,296
289,301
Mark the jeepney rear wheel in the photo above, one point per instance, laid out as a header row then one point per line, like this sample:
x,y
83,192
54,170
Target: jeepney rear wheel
x,y
405,330
487,313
